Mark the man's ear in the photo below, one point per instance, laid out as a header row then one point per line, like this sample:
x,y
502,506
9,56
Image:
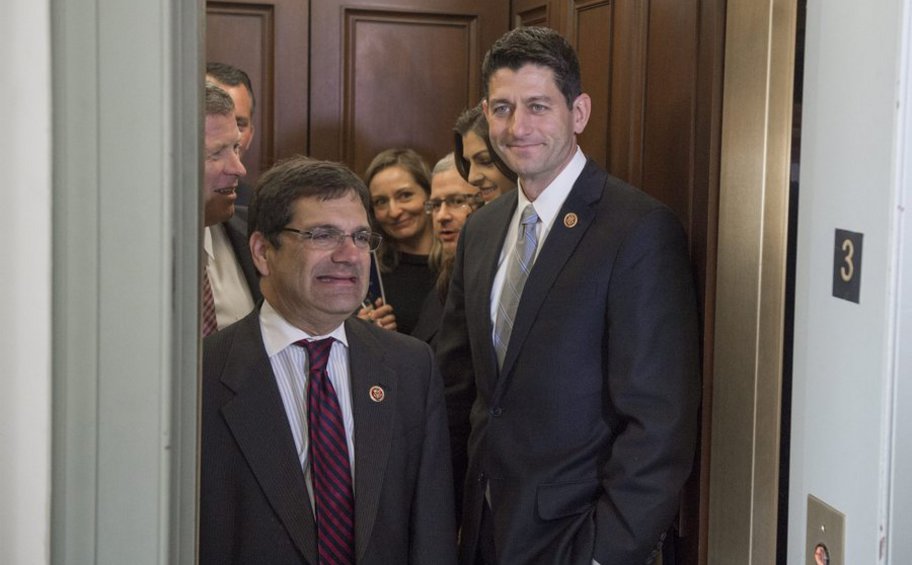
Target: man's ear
x,y
581,109
259,249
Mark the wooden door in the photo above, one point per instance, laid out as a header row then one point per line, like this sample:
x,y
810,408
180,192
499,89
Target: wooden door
x,y
396,74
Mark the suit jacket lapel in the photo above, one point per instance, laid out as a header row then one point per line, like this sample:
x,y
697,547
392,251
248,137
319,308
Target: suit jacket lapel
x,y
236,231
256,417
487,246
374,422
561,242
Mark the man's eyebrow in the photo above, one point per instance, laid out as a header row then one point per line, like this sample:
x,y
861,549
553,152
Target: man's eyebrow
x,y
538,98
219,147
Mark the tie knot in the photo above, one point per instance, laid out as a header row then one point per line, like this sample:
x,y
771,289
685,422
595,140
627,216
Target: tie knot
x,y
528,215
317,352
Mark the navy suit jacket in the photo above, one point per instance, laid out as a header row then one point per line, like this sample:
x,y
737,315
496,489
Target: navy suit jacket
x,y
587,434
254,506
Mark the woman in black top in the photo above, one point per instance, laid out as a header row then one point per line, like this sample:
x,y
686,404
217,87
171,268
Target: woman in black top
x,y
399,183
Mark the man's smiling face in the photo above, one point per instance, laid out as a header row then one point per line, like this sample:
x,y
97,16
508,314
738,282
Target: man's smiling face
x,y
223,168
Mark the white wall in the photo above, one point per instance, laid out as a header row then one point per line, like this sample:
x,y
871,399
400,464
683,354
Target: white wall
x,y
843,369
899,516
25,283
127,78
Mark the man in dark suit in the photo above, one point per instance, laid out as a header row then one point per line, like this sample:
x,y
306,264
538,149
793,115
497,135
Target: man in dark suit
x,y
230,287
324,437
237,84
573,297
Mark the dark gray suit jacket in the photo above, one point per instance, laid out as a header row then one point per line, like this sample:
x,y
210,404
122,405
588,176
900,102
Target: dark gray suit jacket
x,y
254,506
236,230
429,318
587,434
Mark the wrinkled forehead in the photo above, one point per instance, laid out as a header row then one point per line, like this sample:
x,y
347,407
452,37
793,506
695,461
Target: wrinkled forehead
x,y
345,211
221,128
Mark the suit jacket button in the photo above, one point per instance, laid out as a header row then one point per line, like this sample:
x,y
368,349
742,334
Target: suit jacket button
x,y
496,411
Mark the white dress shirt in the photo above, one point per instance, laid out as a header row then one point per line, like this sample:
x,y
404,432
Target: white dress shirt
x,y
232,296
290,366
547,206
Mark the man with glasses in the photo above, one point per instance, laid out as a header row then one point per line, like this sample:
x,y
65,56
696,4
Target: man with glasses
x,y
305,405
451,201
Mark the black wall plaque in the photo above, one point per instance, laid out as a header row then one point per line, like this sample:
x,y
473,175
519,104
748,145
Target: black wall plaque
x,y
847,265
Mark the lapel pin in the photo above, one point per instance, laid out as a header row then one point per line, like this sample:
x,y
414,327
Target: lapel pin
x,y
570,220
377,393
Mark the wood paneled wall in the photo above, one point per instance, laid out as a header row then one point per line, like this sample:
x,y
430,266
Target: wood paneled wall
x,y
396,76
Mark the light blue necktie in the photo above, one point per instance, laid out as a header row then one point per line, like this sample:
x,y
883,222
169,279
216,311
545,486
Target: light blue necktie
x,y
517,272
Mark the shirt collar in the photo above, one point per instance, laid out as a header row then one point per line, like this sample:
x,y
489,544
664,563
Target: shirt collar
x,y
208,247
549,202
278,333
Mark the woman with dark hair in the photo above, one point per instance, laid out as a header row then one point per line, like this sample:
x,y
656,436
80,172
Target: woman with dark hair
x,y
400,183
476,160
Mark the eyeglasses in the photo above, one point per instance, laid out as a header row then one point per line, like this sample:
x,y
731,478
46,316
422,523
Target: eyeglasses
x,y
325,239
454,201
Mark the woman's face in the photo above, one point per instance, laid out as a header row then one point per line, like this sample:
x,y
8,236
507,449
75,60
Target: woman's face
x,y
398,205
483,173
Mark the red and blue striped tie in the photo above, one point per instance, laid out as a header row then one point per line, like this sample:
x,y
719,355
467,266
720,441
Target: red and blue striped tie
x,y
334,501
210,323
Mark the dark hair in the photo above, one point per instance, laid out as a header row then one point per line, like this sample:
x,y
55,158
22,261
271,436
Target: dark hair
x,y
218,103
411,161
231,76
473,120
277,190
537,46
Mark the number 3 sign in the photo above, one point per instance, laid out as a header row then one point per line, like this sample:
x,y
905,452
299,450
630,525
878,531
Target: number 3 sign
x,y
847,265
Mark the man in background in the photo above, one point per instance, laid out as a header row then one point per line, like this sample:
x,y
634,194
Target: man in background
x,y
237,84
574,299
229,279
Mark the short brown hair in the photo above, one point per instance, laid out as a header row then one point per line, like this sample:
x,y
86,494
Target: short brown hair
x,y
539,46
277,190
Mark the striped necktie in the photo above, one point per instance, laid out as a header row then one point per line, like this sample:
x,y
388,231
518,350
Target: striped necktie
x,y
334,501
210,324
517,272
